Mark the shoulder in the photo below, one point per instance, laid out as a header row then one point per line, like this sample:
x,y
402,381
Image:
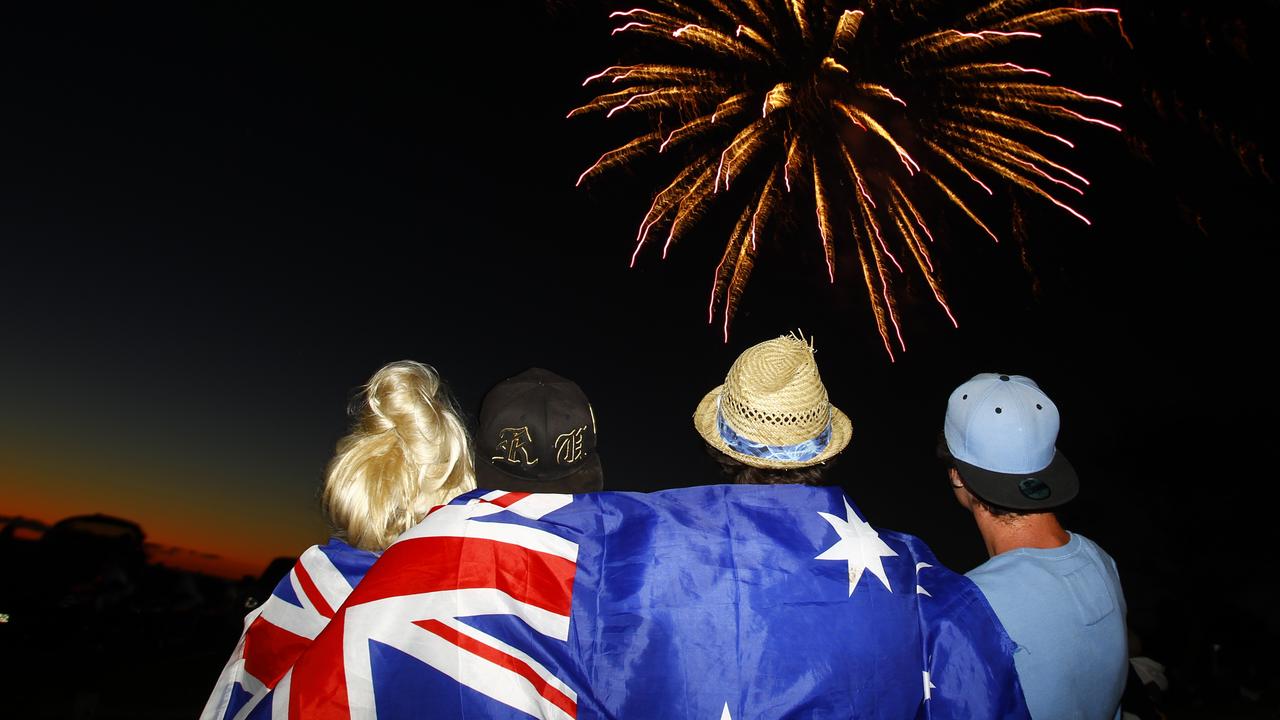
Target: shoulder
x,y
949,593
1006,581
1027,587
335,564
1002,570
1094,549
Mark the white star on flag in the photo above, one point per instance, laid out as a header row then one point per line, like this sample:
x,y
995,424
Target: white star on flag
x,y
860,545
725,715
928,685
920,590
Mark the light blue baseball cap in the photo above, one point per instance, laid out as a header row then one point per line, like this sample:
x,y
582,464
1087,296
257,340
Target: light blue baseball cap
x,y
1001,430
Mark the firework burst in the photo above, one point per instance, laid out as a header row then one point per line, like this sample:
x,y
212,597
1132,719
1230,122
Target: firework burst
x,y
810,103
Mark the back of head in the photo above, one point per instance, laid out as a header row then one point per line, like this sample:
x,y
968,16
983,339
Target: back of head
x,y
735,472
407,452
771,422
538,434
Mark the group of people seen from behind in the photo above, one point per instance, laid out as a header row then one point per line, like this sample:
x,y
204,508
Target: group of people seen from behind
x,y
767,591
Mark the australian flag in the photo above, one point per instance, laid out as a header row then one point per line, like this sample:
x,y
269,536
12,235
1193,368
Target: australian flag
x,y
711,602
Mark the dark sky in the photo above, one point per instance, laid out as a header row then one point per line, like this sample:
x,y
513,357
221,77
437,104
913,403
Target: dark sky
x,y
218,219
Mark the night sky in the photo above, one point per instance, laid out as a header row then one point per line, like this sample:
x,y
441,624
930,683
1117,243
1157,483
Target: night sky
x,y
218,219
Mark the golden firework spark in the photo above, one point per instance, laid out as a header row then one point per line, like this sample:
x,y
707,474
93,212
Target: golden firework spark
x,y
780,95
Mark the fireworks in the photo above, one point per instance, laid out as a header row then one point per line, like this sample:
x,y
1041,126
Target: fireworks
x,y
797,104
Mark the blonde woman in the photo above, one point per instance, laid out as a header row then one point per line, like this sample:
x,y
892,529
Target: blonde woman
x,y
407,452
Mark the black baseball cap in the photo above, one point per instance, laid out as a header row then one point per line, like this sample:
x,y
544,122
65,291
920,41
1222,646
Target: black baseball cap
x,y
537,434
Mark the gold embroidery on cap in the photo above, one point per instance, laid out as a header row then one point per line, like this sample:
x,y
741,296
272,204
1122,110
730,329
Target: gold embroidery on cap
x,y
512,441
569,447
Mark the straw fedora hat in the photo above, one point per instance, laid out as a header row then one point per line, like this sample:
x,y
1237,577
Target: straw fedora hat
x,y
772,410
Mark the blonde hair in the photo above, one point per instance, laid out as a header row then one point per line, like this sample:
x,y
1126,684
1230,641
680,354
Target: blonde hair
x,y
407,452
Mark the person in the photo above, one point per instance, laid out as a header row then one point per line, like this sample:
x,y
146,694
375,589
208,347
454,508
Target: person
x,y
538,434
771,421
1056,592
407,452
713,601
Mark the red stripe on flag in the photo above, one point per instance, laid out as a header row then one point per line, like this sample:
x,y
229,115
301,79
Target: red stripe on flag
x,y
318,688
509,499
433,564
313,592
269,651
552,694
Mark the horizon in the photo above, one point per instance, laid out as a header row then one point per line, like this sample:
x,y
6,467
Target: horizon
x,y
157,553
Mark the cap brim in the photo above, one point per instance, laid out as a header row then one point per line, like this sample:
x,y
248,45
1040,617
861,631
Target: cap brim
x,y
1004,489
704,421
588,477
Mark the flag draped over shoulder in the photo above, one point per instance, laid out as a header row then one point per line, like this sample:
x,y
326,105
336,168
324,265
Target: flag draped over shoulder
x,y
277,632
708,602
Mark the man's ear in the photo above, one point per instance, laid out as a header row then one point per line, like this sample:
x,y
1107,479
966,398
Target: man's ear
x,y
963,496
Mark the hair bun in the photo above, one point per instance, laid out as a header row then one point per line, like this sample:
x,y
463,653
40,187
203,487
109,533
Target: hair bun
x,y
408,451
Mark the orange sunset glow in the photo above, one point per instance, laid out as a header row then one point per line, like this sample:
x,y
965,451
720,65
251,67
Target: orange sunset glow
x,y
184,524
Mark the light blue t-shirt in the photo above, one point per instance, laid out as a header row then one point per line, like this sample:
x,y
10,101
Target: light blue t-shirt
x,y
1065,610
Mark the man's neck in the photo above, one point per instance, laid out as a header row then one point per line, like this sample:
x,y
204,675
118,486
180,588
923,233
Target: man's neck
x,y
1039,530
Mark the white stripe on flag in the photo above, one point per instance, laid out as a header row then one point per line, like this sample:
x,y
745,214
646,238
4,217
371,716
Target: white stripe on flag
x,y
280,699
331,583
389,621
256,689
477,673
533,506
453,521
494,642
305,621
481,675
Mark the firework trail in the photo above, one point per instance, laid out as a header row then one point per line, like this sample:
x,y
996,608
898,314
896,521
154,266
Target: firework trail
x,y
840,109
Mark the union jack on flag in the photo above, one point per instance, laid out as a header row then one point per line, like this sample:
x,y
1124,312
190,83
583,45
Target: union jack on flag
x,y
708,602
278,631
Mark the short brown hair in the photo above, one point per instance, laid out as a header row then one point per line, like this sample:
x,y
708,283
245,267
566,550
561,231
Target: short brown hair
x,y
736,472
